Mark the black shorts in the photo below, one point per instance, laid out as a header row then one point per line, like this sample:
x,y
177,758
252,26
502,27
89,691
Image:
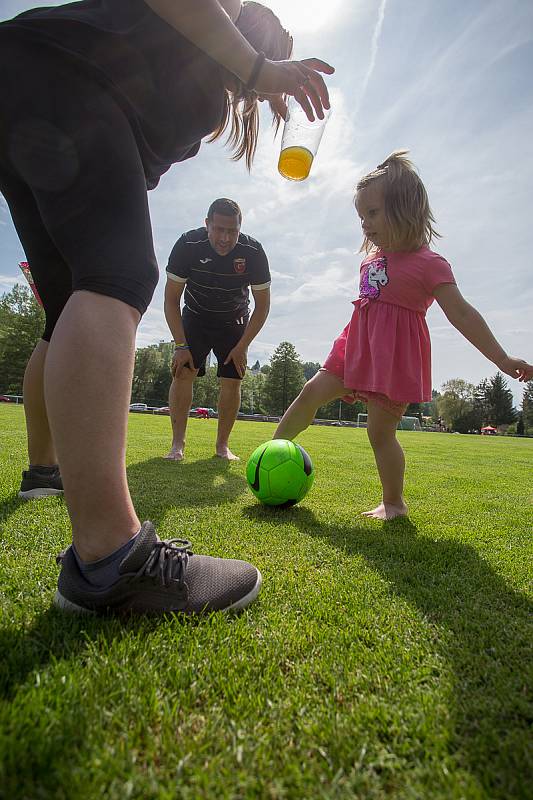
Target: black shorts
x,y
73,179
204,335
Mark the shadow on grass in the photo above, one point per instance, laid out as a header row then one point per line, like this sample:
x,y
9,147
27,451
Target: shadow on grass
x,y
56,636
485,632
44,725
157,485
10,504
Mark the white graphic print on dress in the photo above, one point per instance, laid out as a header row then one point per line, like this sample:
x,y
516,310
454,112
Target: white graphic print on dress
x,y
373,277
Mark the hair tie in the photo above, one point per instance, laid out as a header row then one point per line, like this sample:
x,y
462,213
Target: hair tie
x,y
252,80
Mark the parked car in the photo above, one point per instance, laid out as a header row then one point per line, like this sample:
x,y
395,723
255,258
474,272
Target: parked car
x,y
163,410
138,407
5,399
200,413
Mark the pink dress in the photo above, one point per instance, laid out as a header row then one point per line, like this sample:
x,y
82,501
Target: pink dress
x,y
384,352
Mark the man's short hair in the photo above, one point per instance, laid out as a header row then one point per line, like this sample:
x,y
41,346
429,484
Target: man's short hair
x,y
228,208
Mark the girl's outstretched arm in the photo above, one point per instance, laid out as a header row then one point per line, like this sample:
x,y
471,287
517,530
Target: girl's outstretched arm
x,y
471,324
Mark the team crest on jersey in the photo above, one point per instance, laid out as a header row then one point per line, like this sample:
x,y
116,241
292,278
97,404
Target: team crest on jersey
x,y
239,265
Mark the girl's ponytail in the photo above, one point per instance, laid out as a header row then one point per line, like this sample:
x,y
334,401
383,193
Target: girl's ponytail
x,y
406,202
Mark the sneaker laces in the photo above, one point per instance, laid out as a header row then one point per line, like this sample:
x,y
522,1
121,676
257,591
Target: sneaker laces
x,y
167,562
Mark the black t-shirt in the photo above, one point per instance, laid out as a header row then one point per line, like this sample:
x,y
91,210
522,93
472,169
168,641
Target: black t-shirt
x,y
217,286
170,90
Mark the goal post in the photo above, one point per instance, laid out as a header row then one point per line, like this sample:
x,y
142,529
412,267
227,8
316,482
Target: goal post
x,y
405,424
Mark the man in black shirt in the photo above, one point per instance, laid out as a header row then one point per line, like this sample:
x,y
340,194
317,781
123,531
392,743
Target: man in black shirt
x,y
213,267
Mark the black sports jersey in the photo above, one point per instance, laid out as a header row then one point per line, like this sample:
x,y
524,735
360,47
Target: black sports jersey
x,y
171,92
218,285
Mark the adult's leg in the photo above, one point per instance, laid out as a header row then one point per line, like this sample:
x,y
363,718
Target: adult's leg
x,y
87,391
390,461
41,448
180,401
90,190
54,281
321,389
229,402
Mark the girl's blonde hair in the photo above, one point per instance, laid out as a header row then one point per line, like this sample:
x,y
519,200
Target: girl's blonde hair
x,y
406,203
263,30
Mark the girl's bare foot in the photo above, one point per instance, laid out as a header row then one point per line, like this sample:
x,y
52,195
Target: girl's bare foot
x,y
175,454
225,452
387,511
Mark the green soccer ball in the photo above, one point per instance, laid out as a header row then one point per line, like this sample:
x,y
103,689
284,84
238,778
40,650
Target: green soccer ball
x,y
280,473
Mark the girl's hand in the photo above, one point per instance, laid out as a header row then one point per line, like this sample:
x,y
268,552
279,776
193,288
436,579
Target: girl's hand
x,y
301,79
517,368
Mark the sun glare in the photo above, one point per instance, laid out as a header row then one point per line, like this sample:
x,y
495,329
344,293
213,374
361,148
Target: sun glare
x,y
305,16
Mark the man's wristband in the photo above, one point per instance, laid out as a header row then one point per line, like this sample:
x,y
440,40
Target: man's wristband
x,y
181,346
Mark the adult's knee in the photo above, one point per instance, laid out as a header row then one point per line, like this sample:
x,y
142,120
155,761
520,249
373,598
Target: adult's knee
x,y
230,387
184,379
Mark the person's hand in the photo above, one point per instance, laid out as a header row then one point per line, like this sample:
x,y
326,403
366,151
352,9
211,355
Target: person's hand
x,y
239,356
301,79
517,368
181,359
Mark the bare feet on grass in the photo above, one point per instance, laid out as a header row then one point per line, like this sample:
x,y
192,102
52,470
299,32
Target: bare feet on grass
x,y
175,454
225,452
387,511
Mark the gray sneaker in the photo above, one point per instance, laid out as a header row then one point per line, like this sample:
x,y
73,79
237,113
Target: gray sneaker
x,y
40,481
160,576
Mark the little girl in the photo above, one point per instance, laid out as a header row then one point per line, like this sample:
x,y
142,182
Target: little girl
x,y
383,356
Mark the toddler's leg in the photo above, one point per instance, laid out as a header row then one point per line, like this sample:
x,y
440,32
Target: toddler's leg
x,y
390,462
322,388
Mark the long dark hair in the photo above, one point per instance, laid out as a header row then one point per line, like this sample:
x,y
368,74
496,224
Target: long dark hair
x,y
261,27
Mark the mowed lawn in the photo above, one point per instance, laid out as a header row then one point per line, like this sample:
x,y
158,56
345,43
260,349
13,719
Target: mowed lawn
x,y
380,660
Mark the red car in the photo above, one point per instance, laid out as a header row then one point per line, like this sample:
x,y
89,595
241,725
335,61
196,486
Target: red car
x,y
200,413
5,399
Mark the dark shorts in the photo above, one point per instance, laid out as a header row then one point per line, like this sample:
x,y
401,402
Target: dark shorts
x,y
73,179
221,337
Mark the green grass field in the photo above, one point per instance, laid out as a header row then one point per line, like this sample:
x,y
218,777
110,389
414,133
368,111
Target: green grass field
x,y
380,661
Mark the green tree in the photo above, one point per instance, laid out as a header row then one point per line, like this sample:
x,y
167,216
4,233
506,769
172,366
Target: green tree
x,y
205,389
527,407
456,401
158,394
481,406
147,364
500,401
520,425
285,379
337,409
310,369
253,393
21,325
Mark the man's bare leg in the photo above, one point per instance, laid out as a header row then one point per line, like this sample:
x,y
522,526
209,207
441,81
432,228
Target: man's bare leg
x,y
229,402
390,462
87,387
322,388
180,401
41,449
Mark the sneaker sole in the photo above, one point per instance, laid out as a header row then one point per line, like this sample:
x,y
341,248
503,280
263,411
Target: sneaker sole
x,y
32,494
70,607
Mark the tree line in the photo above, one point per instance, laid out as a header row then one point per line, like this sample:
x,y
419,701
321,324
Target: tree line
x,y
267,389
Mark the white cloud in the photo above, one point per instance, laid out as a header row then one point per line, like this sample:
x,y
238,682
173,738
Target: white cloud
x,y
8,281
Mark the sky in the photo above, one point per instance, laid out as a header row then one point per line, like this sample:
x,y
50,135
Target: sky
x,y
450,80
